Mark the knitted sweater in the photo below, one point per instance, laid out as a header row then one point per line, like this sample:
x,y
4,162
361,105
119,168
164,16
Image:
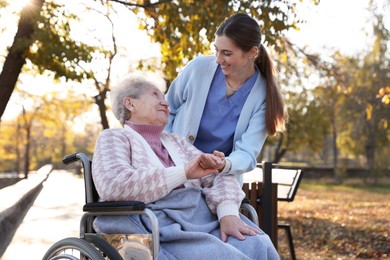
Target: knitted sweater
x,y
126,168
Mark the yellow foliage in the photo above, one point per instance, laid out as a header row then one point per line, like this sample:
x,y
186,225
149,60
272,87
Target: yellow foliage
x,y
385,123
369,109
384,95
386,99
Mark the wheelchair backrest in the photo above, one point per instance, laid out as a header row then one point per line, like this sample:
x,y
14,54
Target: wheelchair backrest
x,y
91,194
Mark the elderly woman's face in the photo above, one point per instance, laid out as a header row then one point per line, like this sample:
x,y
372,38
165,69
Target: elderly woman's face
x,y
150,108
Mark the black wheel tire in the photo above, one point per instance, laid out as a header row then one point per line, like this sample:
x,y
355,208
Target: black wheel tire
x,y
104,246
85,250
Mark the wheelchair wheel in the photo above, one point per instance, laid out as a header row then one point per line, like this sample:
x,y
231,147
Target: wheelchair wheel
x,y
106,249
73,248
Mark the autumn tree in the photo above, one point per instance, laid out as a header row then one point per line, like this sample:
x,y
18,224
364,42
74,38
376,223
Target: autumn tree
x,y
186,28
331,97
43,37
10,157
299,72
370,78
101,76
42,133
59,113
358,118
17,53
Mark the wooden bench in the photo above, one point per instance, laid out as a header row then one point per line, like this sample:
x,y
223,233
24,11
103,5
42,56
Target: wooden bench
x,y
264,187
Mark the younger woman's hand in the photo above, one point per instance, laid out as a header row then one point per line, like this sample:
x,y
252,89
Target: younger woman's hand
x,y
208,161
220,155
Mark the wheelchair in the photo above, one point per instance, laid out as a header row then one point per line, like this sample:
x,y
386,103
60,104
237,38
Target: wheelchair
x,y
91,245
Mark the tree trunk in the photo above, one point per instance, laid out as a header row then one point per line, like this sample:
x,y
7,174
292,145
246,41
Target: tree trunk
x,y
16,57
336,170
370,148
17,148
370,154
279,151
27,152
63,139
99,100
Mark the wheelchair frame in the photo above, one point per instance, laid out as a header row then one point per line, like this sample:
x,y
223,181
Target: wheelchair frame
x,y
89,245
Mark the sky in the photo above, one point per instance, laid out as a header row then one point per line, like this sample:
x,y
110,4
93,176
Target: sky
x,y
332,25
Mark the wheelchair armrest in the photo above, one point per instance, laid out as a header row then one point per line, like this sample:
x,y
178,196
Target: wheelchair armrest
x,y
253,216
114,206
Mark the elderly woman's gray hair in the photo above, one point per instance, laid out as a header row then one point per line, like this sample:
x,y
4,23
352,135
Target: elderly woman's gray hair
x,y
132,86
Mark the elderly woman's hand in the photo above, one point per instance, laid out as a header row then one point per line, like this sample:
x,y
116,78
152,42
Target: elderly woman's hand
x,y
234,226
202,165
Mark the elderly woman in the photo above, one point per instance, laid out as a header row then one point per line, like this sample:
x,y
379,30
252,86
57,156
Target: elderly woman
x,y
197,205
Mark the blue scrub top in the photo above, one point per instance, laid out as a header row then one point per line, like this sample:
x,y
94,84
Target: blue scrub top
x,y
220,115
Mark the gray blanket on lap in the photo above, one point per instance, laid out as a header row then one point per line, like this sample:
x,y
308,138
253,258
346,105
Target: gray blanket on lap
x,y
188,230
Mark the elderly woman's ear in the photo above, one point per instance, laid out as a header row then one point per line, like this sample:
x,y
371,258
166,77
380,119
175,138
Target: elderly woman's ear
x,y
128,103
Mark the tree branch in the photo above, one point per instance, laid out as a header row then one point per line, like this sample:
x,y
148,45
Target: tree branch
x,y
148,5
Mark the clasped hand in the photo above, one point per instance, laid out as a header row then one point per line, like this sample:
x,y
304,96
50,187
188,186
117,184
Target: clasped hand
x,y
205,164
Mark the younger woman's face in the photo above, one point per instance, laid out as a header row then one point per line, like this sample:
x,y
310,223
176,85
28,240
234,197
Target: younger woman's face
x,y
232,59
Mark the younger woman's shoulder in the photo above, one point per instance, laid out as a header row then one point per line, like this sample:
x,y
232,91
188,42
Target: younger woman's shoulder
x,y
204,59
201,61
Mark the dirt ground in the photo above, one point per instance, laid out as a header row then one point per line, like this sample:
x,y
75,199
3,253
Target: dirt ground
x,y
337,222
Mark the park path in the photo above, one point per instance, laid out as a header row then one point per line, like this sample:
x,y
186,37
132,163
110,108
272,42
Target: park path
x,y
54,215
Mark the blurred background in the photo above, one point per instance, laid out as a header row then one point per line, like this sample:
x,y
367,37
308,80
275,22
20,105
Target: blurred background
x,y
59,59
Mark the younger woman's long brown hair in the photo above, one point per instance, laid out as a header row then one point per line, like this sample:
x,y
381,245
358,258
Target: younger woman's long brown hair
x,y
245,32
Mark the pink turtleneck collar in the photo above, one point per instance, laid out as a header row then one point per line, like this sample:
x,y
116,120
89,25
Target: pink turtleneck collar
x,y
152,133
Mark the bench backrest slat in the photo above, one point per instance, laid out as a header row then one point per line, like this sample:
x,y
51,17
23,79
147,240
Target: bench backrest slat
x,y
287,179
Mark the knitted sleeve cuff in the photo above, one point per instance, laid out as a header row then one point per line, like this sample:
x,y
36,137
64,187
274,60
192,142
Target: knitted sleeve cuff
x,y
227,208
227,167
175,176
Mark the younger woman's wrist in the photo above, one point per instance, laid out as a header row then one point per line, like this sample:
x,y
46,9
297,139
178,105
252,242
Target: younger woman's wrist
x,y
227,167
